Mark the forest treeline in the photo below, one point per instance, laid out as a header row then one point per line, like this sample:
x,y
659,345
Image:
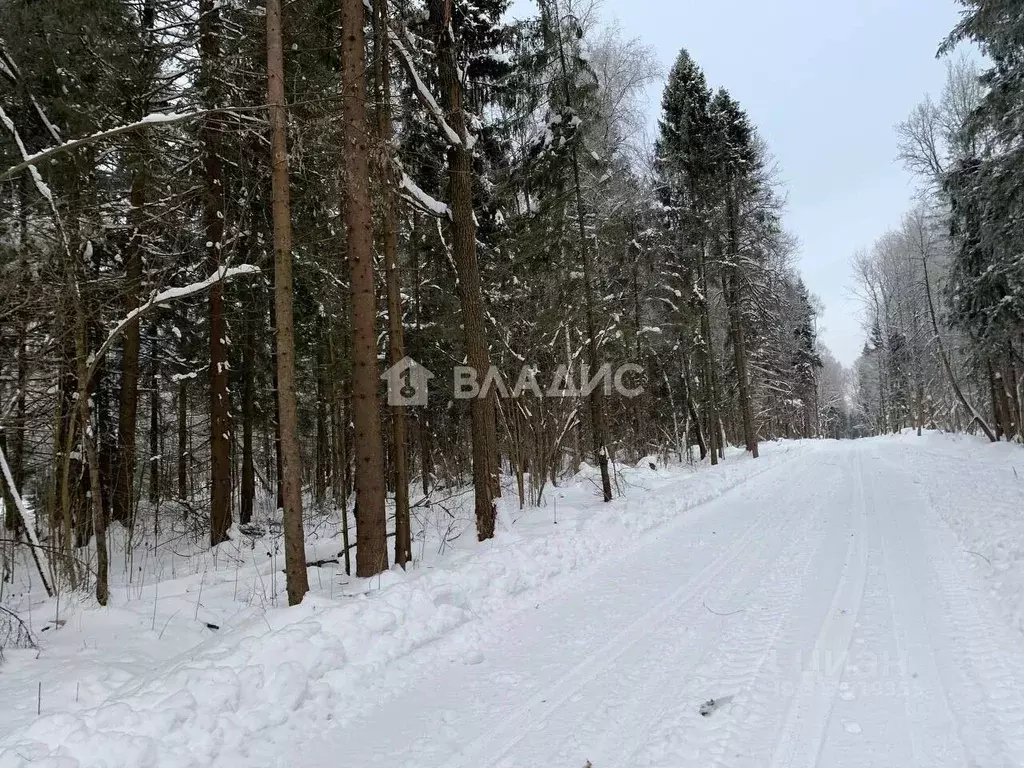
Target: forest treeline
x,y
221,223
945,290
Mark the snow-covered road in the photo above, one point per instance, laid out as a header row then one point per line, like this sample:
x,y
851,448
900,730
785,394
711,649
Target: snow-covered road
x,y
831,604
820,614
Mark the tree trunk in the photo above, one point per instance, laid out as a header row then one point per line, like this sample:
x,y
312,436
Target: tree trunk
x,y
389,238
82,410
247,492
423,420
734,299
210,130
710,385
124,473
945,359
17,443
291,466
599,426
322,455
339,442
12,521
182,439
278,472
463,230
155,453
1012,388
371,523
1000,403
694,419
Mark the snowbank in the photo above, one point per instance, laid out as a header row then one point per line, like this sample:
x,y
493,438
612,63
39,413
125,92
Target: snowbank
x,y
974,486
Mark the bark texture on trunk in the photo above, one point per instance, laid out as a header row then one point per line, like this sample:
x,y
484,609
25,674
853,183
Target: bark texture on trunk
x,y
595,401
247,491
734,297
213,224
182,439
127,418
371,523
291,466
714,433
463,238
389,241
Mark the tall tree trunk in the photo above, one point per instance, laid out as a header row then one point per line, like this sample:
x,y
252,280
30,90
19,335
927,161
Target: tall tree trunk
x,y
389,238
12,520
210,130
944,358
278,472
155,453
463,229
735,300
82,412
371,522
247,492
183,439
598,424
423,422
714,433
291,466
1012,388
124,473
1000,403
691,410
322,455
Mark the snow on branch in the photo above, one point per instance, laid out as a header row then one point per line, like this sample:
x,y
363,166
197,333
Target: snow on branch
x,y
41,186
162,298
28,520
421,199
157,118
10,71
424,94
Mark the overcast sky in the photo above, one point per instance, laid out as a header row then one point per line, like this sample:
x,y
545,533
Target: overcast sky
x,y
825,81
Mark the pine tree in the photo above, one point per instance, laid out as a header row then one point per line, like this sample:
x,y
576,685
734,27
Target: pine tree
x,y
291,467
371,555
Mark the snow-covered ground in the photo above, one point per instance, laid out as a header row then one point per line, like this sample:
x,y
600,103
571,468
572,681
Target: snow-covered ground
x,y
830,604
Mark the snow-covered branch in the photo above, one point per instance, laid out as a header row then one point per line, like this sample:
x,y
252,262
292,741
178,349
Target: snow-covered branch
x,y
162,298
10,71
157,118
28,520
422,92
412,192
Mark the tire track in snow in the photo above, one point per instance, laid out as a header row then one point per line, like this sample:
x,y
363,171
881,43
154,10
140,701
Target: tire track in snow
x,y
809,711
698,634
927,704
490,748
733,667
981,666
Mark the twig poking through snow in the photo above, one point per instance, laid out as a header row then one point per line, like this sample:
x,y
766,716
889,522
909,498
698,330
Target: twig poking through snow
x,y
978,554
731,613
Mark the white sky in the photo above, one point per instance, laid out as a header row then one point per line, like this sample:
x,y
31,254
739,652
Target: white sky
x,y
825,81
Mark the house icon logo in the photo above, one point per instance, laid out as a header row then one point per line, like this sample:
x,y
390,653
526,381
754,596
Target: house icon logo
x,y
407,383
